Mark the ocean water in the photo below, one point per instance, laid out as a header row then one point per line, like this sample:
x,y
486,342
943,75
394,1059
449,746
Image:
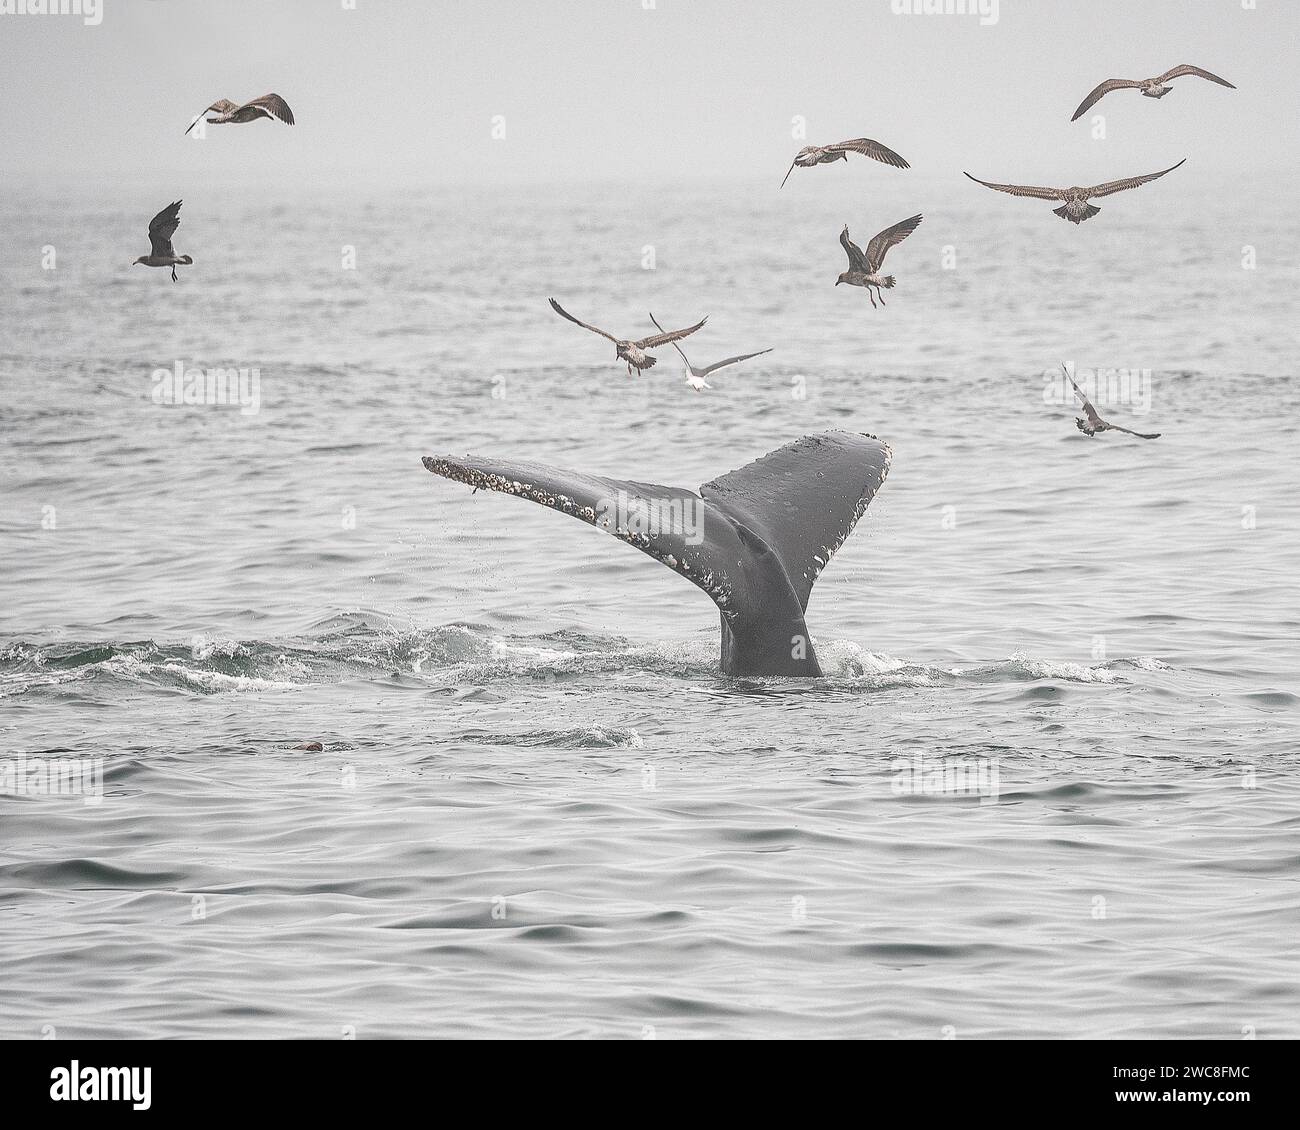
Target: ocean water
x,y
538,809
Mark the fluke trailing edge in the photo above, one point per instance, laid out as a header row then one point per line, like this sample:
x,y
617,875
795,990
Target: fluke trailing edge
x,y
755,539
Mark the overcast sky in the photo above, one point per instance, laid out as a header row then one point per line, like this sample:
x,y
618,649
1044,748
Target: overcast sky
x,y
406,92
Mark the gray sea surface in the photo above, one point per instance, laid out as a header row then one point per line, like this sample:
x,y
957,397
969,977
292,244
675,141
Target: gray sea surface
x,y
539,810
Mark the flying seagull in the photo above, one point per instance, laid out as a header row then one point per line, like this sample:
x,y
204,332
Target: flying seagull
x,y
268,106
812,155
1094,423
864,270
633,352
1150,87
161,229
1076,208
695,377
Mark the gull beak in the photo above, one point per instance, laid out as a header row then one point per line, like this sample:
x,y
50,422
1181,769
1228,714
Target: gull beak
x,y
838,281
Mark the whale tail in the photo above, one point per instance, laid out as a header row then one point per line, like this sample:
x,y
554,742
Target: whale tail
x,y
755,539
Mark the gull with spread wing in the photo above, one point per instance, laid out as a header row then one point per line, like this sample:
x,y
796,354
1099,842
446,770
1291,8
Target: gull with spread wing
x,y
1076,208
1094,423
161,229
695,377
632,352
864,269
1151,87
812,155
268,106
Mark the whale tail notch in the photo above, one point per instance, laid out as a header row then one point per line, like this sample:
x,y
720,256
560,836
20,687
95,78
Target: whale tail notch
x,y
755,539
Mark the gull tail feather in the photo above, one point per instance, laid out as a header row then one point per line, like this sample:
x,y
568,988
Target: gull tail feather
x,y
1063,211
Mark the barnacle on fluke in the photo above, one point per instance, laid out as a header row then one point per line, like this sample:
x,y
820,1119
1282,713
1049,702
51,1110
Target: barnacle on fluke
x,y
755,539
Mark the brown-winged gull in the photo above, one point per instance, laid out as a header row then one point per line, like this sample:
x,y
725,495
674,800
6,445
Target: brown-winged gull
x,y
864,269
812,155
268,106
632,352
1151,87
1076,208
161,229
1094,423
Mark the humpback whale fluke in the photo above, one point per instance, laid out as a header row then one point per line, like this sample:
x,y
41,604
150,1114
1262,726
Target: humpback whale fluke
x,y
755,539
